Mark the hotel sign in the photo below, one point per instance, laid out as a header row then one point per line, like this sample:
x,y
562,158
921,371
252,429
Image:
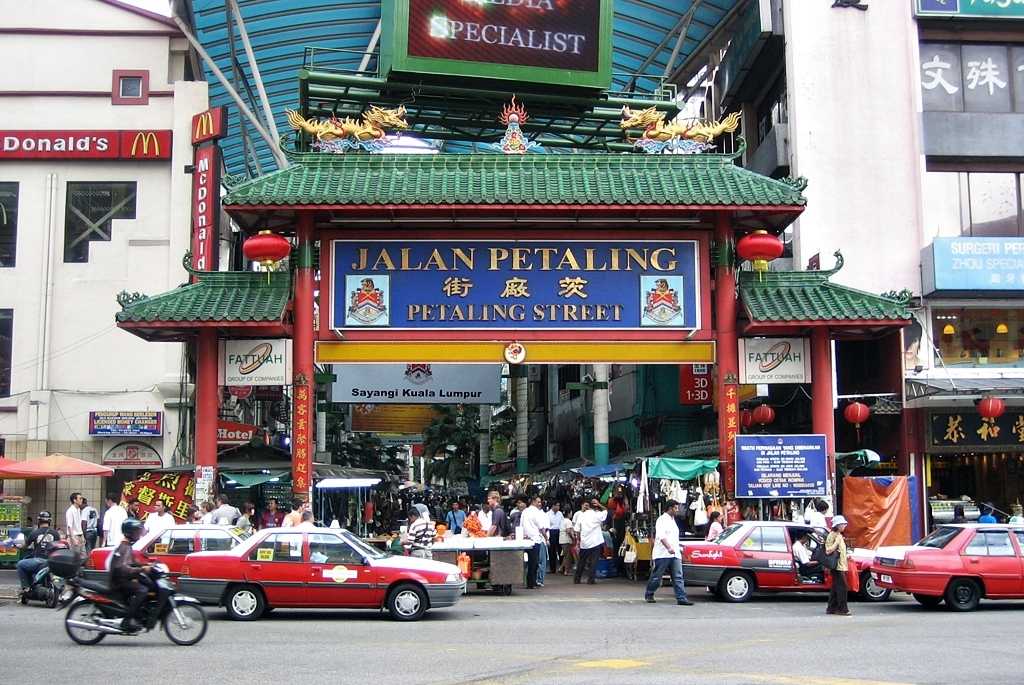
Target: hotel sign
x,y
118,145
515,284
541,41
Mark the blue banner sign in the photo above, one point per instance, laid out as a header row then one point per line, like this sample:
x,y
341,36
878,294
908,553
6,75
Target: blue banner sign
x,y
774,466
971,264
515,284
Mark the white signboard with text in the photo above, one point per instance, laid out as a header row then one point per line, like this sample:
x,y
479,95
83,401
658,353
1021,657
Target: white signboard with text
x,y
256,362
775,360
417,383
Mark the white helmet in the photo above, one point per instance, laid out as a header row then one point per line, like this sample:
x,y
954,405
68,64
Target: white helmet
x,y
838,521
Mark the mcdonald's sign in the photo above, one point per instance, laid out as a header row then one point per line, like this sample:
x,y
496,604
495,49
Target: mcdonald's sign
x,y
111,145
209,125
146,144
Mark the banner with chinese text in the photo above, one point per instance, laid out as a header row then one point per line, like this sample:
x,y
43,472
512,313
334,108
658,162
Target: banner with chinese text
x,y
967,431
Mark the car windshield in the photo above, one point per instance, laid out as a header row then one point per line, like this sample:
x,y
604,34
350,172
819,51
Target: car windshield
x,y
939,538
729,533
361,547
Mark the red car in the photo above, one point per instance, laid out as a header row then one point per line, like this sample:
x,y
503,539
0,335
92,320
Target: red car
x,y
319,567
757,556
171,546
958,564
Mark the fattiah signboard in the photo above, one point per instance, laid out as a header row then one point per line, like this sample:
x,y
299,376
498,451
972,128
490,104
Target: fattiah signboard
x,y
565,42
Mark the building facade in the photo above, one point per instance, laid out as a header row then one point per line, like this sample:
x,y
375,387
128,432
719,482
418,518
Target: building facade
x,y
914,155
95,200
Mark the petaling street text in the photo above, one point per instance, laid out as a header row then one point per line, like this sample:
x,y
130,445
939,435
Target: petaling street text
x,y
518,259
514,312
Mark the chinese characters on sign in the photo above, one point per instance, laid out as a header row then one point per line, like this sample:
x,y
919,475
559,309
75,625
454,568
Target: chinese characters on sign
x,y
971,264
959,77
729,408
950,431
176,490
531,284
301,448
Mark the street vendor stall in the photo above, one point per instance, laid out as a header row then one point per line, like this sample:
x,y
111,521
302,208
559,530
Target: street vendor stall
x,y
495,562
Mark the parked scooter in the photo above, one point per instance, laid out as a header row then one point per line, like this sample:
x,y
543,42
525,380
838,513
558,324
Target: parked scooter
x,y
97,611
46,587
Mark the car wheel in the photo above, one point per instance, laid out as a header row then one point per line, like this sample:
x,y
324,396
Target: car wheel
x,y
928,601
872,591
736,586
407,603
963,594
245,603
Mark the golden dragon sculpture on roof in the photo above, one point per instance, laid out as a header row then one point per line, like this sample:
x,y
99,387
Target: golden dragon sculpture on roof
x,y
340,135
658,136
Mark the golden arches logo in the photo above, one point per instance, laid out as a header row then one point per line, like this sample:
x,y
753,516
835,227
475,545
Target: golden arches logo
x,y
204,126
145,139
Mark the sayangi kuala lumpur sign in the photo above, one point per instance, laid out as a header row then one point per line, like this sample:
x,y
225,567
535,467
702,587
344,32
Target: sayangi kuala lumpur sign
x,y
565,42
522,284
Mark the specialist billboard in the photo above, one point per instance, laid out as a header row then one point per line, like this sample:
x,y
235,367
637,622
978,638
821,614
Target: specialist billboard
x,y
561,42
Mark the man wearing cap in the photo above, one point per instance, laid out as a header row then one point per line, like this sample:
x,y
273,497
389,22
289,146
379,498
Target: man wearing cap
x,y
666,555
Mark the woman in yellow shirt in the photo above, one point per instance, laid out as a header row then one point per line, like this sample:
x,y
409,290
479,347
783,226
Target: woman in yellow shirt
x,y
836,543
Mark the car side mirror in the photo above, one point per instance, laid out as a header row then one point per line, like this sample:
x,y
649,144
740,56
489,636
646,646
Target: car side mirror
x,y
366,561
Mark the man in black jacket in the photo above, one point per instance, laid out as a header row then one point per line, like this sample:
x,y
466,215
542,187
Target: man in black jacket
x,y
127,575
38,545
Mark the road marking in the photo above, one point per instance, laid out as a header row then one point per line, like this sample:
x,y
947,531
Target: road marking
x,y
775,679
612,663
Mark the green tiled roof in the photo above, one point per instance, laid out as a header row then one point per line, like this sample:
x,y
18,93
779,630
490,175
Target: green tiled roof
x,y
218,296
542,179
783,296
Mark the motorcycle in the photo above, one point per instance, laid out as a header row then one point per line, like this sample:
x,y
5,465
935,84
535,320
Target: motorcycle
x,y
47,586
98,611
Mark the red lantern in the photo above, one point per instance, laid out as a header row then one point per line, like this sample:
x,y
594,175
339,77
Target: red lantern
x,y
856,413
991,407
746,419
267,248
759,248
763,414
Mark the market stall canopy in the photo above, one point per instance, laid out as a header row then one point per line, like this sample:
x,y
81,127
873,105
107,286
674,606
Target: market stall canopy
x,y
680,469
347,483
53,466
596,471
248,480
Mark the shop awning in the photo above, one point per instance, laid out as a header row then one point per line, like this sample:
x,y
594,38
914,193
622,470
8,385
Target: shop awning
x,y
694,450
680,469
347,483
250,479
925,387
596,471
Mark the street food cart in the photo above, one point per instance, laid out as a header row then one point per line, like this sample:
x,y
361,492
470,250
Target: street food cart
x,y
496,562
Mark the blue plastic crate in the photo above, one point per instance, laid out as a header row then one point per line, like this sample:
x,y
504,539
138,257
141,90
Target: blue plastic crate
x,y
606,569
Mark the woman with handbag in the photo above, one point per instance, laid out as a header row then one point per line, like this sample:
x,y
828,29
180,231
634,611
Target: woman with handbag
x,y
836,544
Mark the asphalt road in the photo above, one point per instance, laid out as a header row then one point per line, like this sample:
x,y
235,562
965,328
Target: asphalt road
x,y
559,634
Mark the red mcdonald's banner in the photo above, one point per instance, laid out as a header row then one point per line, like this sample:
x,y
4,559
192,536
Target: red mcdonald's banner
x,y
210,125
205,207
133,145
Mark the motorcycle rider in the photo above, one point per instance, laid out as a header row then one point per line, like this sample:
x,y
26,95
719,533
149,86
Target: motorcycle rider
x,y
128,576
39,542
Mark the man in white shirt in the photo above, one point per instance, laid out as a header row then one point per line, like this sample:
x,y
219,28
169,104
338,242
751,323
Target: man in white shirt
x,y
535,529
73,524
114,516
666,555
159,520
484,516
588,530
225,514
807,567
555,518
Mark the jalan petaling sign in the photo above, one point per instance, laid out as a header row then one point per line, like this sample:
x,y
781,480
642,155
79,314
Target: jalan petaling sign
x,y
521,284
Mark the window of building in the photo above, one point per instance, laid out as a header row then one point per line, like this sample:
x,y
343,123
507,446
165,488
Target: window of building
x,y
979,337
130,87
8,223
960,203
569,373
6,347
89,214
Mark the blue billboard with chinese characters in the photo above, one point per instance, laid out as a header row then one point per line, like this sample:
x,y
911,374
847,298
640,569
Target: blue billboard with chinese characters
x,y
967,265
777,466
515,284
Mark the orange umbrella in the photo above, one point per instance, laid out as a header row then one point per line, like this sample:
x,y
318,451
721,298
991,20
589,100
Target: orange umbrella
x,y
52,466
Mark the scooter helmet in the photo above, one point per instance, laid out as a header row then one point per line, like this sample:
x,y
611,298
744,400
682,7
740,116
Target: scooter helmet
x,y
132,529
44,516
